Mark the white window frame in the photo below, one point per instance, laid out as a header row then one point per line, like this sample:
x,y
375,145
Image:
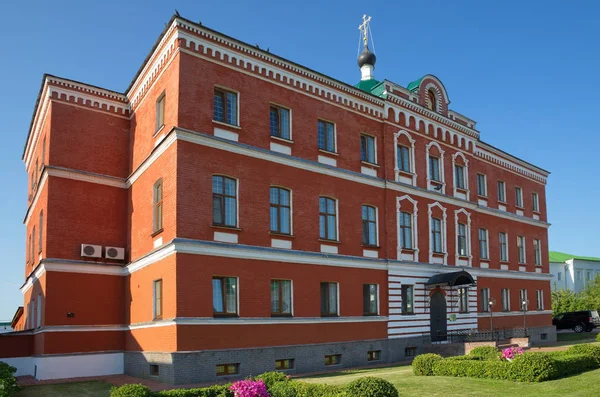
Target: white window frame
x,y
468,235
335,137
162,99
431,184
465,175
540,299
523,296
537,252
277,105
374,148
162,291
415,228
521,244
503,184
274,279
485,189
291,210
411,149
506,245
487,244
376,224
337,219
507,299
444,232
518,197
237,200
237,95
535,200
485,303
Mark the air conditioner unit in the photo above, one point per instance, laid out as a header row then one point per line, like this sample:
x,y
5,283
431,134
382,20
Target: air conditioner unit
x,y
91,251
114,253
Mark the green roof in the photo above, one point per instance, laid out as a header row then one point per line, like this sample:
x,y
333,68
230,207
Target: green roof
x,y
563,257
367,85
414,84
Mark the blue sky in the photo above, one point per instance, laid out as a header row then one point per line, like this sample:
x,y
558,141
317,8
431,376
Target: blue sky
x,y
527,71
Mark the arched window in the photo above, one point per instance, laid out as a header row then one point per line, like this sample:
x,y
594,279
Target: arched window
x,y
432,100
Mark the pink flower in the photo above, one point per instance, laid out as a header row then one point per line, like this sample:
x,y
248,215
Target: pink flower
x,y
511,352
249,388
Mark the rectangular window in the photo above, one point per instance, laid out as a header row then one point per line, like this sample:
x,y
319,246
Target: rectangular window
x,y
481,185
579,278
521,248
463,300
224,201
519,197
485,299
374,355
280,210
537,250
505,300
333,359
434,169
540,299
503,247
160,112
157,213
559,275
329,299
370,300
225,296
225,106
410,351
326,136
41,232
228,369
535,202
407,299
154,370
369,225
436,235
588,276
282,365
158,298
462,240
406,240
327,218
281,298
501,191
367,149
484,251
459,175
523,303
403,158
43,163
279,120
33,237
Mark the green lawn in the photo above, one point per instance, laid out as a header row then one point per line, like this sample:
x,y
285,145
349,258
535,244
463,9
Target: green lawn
x,y
79,389
402,377
575,337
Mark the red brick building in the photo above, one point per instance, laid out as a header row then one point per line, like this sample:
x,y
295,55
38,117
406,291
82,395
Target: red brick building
x,y
234,212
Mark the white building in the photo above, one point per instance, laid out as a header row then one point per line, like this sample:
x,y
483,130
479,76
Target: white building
x,y
572,272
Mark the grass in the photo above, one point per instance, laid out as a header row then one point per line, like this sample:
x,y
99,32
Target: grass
x,y
79,389
574,337
404,380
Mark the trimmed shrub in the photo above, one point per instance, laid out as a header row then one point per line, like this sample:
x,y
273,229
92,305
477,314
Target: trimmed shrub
x,y
591,351
533,367
300,389
473,368
486,353
212,391
422,365
572,364
371,387
8,382
270,378
598,337
130,391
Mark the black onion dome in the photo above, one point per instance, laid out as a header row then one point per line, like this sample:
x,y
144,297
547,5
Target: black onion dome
x,y
366,58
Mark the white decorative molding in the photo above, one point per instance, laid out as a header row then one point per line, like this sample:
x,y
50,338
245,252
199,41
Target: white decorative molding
x,y
276,147
503,267
226,134
327,160
431,185
444,233
482,202
488,153
157,242
280,243
441,97
329,249
414,211
468,236
370,253
413,169
457,192
368,171
226,237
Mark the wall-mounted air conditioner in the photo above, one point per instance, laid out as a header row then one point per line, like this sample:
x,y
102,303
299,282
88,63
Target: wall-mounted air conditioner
x,y
91,251
114,253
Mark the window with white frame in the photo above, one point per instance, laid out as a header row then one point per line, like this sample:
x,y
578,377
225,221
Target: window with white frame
x,y
535,199
329,299
403,158
502,191
485,299
328,218
406,233
326,136
280,210
224,201
521,249
407,299
523,299
503,247
434,169
578,275
160,112
588,276
370,300
463,249
369,225
367,149
540,299
484,248
225,104
280,122
519,197
505,299
157,292
459,176
436,235
481,185
281,297
225,296
537,250
463,300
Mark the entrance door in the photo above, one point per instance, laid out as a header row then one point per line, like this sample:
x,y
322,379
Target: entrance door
x,y
438,320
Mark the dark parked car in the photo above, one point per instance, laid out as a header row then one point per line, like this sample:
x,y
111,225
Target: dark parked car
x,y
585,320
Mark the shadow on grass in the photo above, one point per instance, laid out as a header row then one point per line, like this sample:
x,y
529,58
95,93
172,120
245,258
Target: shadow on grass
x,y
77,389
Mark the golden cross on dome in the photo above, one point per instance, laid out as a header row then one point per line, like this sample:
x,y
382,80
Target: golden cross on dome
x,y
364,29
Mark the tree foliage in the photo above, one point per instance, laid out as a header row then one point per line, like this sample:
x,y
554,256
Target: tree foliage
x,y
568,301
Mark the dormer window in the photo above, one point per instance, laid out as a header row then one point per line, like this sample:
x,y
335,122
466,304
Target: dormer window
x,y
432,101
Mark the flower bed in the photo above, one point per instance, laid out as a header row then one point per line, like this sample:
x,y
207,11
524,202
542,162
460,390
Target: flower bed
x,y
515,364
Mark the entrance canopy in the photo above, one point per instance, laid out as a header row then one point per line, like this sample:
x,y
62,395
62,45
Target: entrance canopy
x,y
453,279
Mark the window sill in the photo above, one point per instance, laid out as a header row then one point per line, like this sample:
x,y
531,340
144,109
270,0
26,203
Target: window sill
x,y
280,315
504,262
217,315
465,257
370,314
324,240
232,228
439,253
479,196
328,152
158,318
158,131
405,173
519,207
408,249
329,315
369,164
462,190
278,138
537,212
281,234
502,202
156,233
373,247
237,127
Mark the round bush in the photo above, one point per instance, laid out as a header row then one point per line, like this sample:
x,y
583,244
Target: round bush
x,y
270,378
585,349
486,353
532,367
130,391
371,387
422,365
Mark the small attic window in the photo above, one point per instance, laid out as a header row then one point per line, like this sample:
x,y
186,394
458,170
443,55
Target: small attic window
x,y
431,100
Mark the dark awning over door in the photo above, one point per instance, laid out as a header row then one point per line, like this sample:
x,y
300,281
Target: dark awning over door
x,y
453,279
